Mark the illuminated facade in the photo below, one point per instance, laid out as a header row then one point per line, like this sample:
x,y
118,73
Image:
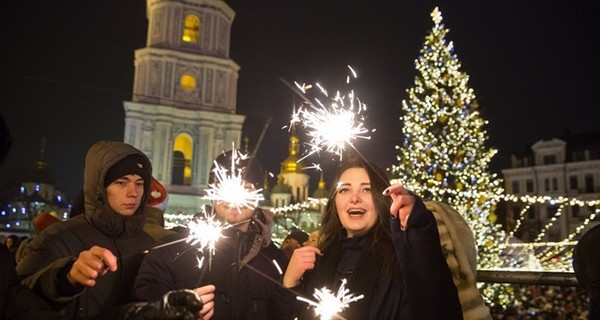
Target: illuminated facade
x,y
182,113
565,167
35,193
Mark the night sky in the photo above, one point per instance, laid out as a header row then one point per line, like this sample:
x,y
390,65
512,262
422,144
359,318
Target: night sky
x,y
67,66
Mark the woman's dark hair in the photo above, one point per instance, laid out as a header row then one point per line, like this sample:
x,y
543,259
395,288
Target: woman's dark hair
x,y
379,237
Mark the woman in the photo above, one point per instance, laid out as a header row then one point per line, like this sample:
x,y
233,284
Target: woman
x,y
385,243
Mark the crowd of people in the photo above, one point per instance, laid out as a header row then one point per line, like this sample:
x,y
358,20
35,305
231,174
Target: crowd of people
x,y
93,265
537,302
113,258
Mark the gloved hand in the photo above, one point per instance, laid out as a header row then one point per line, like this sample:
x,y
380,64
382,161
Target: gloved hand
x,y
264,218
175,305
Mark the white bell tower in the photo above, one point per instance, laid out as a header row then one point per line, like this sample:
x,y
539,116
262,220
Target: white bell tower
x,y
182,113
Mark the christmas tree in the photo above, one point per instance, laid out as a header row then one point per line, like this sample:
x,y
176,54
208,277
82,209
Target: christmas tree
x,y
444,157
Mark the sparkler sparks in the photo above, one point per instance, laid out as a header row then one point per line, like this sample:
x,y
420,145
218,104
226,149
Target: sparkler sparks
x,y
328,305
230,187
205,232
332,127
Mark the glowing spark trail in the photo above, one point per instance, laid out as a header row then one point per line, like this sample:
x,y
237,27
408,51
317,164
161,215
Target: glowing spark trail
x,y
205,232
330,128
328,305
230,187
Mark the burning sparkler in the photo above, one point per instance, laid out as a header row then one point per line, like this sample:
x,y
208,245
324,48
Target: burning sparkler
x,y
205,232
328,305
230,187
331,127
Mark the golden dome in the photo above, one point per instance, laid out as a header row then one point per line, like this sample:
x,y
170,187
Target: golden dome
x,y
291,164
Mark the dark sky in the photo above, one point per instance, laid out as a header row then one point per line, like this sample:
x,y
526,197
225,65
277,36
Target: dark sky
x,y
66,67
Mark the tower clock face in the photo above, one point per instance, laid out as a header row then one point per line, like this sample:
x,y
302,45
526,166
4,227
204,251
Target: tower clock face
x,y
188,82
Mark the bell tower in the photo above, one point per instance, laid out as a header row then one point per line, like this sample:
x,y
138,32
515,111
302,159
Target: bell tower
x,y
182,111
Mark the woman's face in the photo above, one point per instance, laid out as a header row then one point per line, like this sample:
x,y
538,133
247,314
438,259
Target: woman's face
x,y
354,202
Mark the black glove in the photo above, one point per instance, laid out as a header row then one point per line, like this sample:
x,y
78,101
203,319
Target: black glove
x,y
175,305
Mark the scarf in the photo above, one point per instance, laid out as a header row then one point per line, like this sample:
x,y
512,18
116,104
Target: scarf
x,y
458,246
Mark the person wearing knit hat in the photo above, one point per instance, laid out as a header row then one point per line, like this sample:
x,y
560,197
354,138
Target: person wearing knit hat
x,y
236,163
129,165
293,241
85,265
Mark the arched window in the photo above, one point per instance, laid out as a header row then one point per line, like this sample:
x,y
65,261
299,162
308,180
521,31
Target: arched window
x,y
191,29
182,160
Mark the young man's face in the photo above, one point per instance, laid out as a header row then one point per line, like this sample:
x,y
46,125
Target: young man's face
x,y
125,194
233,215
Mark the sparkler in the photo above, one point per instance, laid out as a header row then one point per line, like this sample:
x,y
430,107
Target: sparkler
x,y
205,232
330,127
230,187
329,305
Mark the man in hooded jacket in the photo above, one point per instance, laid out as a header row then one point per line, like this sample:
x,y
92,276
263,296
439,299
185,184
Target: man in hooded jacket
x,y
84,267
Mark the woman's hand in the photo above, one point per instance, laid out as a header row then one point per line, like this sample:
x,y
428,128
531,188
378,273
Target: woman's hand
x,y
402,203
302,259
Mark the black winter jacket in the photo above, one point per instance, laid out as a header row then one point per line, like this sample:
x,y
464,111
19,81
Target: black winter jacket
x,y
16,300
49,256
421,287
242,292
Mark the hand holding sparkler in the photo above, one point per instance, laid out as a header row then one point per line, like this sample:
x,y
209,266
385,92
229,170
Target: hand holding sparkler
x,y
402,203
91,265
302,259
329,305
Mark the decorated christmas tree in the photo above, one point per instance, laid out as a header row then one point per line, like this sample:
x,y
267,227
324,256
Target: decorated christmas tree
x,y
443,156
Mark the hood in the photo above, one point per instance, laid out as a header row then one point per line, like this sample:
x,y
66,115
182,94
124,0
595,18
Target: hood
x,y
101,157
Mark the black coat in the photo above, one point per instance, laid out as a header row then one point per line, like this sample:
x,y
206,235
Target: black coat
x,y
16,300
241,292
49,256
420,287
586,264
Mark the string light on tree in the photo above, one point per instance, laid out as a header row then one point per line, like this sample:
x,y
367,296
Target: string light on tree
x,y
444,147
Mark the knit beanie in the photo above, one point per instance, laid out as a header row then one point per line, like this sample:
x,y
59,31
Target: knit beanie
x,y
131,164
299,236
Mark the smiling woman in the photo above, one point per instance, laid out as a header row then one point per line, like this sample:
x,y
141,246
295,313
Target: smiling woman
x,y
364,246
354,202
